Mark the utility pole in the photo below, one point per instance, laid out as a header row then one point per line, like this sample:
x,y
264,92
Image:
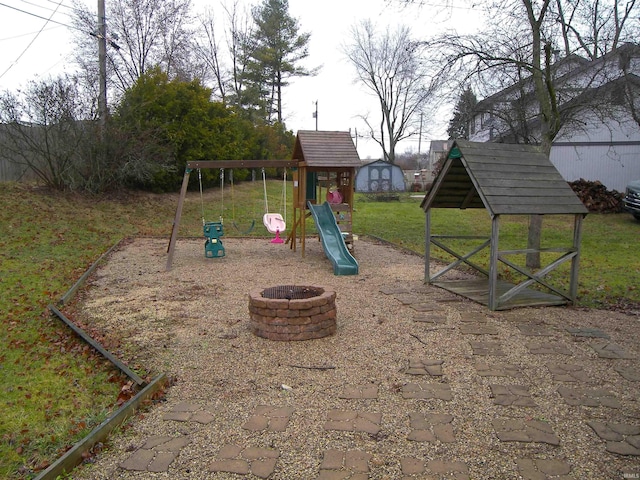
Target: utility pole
x,y
420,135
102,60
315,114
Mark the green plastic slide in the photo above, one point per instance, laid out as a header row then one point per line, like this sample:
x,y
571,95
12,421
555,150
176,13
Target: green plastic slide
x,y
332,240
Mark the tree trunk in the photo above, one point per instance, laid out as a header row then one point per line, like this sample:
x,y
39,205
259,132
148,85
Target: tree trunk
x,y
533,241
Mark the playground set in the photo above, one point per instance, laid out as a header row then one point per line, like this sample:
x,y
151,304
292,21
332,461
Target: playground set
x,y
323,167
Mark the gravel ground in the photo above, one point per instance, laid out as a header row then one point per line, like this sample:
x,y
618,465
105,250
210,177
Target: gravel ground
x,y
192,324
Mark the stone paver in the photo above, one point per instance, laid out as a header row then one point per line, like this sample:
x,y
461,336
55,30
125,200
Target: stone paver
x,y
352,421
189,412
258,461
433,318
437,468
486,348
565,372
425,307
589,398
472,328
543,469
351,392
549,348
409,299
523,430
620,438
610,350
535,330
431,427
472,317
587,332
269,418
629,373
440,391
156,454
339,464
512,395
497,370
424,366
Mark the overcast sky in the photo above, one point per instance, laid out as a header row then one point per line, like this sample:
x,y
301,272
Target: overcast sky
x,y
31,47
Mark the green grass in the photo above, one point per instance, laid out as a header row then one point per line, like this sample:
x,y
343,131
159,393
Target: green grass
x,y
54,389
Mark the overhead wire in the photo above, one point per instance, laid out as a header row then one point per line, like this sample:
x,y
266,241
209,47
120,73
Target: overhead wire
x,y
29,45
48,20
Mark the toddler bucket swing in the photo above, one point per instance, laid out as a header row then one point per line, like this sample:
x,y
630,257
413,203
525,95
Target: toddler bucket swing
x,y
274,222
213,247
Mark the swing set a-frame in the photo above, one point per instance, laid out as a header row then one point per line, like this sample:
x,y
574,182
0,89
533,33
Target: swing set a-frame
x,y
213,230
323,162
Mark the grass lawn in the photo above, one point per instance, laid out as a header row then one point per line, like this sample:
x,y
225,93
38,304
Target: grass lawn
x,y
54,389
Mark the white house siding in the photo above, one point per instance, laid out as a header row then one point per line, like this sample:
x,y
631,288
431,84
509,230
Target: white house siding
x,y
608,152
613,165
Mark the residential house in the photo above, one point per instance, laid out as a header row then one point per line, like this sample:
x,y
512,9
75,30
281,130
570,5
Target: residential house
x,y
599,139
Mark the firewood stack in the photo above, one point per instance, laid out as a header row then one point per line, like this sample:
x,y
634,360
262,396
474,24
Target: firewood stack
x,y
596,197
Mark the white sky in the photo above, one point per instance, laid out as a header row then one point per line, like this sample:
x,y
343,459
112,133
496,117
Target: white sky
x,y
30,48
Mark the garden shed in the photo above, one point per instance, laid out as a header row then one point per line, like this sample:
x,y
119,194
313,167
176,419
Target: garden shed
x,y
503,179
380,176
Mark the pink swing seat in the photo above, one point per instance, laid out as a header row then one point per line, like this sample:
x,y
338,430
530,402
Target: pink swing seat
x,y
274,222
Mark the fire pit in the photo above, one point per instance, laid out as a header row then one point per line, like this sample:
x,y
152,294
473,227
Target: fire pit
x,y
290,312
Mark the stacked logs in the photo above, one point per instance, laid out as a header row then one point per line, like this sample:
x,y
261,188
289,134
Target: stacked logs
x,y
595,196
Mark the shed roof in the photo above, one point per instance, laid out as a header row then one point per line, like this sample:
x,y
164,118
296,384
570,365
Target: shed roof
x,y
381,162
326,149
503,178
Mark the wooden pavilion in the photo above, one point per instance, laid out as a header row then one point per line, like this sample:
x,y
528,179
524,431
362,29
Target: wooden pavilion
x,y
505,180
327,163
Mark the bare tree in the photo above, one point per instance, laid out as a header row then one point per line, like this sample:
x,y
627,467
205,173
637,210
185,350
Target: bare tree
x,y
390,66
523,44
225,58
140,34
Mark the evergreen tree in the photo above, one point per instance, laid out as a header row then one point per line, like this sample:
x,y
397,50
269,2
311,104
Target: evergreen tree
x,y
276,51
462,115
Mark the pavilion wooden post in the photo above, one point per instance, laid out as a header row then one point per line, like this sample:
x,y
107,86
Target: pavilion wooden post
x,y
493,263
427,247
575,261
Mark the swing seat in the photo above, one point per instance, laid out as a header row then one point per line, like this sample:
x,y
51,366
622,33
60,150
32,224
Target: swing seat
x,y
246,231
274,222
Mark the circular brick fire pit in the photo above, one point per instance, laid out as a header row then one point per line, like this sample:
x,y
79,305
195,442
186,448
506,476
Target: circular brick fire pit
x,y
291,312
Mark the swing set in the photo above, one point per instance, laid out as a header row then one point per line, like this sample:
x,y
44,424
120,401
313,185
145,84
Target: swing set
x,y
273,222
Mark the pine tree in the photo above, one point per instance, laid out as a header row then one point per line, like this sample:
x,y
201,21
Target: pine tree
x,y
276,52
462,115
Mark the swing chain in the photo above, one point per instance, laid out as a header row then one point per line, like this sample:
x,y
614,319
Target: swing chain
x,y
201,196
221,195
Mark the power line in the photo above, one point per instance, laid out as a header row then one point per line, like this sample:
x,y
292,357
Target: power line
x,y
30,43
73,9
48,20
48,10
28,34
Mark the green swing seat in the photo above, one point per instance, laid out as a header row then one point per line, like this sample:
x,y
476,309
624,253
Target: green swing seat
x,y
213,247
